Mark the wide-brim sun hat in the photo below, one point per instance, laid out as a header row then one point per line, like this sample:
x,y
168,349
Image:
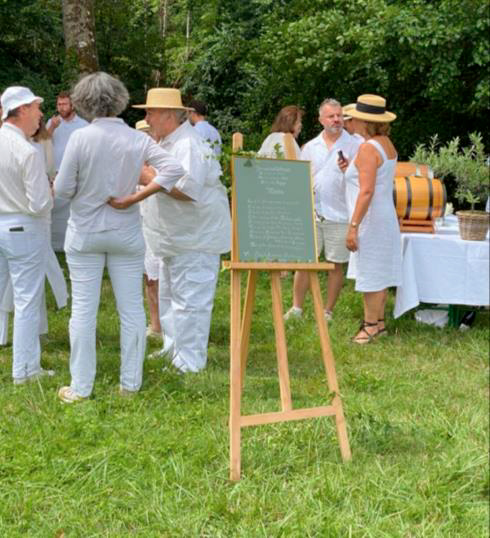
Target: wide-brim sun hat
x,y
371,107
163,98
346,111
16,96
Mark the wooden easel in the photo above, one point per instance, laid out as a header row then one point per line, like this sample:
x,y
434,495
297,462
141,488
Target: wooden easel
x,y
239,343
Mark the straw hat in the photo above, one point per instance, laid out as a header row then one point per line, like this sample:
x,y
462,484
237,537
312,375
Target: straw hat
x,y
371,108
346,111
163,98
142,125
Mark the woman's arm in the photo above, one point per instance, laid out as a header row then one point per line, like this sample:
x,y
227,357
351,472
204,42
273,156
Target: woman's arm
x,y
367,163
124,202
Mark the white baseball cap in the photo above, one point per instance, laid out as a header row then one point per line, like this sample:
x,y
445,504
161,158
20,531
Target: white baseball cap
x,y
16,96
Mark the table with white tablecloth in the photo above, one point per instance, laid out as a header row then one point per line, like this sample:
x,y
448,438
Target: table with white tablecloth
x,y
442,268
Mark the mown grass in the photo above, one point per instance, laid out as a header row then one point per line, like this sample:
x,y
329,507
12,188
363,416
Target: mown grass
x,y
416,405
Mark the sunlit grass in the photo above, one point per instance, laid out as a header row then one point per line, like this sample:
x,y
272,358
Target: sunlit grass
x,y
416,404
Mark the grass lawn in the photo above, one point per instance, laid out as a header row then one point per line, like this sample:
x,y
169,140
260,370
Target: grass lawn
x,y
416,405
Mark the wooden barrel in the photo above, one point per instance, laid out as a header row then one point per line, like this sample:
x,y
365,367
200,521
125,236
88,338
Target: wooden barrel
x,y
413,169
419,198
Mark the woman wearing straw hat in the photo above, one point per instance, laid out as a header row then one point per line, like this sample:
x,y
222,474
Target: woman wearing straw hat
x,y
373,235
101,160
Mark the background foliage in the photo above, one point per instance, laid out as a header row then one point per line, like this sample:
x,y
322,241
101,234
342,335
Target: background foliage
x,y
248,59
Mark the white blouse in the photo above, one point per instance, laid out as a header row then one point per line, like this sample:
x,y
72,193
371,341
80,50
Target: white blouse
x,y
105,160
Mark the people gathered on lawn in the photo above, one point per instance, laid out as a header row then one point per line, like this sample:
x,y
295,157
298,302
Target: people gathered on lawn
x,y
107,168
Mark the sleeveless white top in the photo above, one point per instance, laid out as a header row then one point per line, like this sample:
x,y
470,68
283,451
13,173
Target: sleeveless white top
x,y
376,264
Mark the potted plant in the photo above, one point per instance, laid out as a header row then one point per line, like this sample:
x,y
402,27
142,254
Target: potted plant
x,y
469,167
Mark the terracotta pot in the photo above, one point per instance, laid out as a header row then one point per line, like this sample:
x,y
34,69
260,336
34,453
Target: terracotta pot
x,y
473,225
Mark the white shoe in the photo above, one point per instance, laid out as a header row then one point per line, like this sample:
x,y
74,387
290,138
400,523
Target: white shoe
x,y
165,353
158,354
68,395
328,315
34,377
293,312
126,392
150,333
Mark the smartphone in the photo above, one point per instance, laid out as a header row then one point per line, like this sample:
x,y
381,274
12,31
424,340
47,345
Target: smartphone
x,y
341,155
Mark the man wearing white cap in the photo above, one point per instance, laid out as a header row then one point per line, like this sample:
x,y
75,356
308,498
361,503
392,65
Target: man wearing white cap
x,y
25,203
187,230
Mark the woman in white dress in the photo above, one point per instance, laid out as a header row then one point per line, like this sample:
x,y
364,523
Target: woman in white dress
x,y
101,160
373,236
287,121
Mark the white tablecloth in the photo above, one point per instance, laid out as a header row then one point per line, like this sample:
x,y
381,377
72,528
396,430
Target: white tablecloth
x,y
442,268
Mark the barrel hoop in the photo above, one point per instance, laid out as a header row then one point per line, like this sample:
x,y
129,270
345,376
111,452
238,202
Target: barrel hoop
x,y
444,198
431,198
409,197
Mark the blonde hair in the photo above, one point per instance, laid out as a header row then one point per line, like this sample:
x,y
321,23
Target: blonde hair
x,y
377,128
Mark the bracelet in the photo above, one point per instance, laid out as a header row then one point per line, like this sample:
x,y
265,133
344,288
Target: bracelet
x,y
354,224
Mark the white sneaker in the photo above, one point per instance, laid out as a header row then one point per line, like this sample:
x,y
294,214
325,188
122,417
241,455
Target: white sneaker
x,y
165,353
34,377
158,354
68,395
150,333
126,392
328,315
293,312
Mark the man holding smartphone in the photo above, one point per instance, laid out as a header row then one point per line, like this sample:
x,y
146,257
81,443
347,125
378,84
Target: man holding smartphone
x,y
329,153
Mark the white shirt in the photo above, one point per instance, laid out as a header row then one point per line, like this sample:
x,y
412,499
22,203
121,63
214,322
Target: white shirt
x,y
328,179
24,185
62,134
268,147
209,133
103,160
175,227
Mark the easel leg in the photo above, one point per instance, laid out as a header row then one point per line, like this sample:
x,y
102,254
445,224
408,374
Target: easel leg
x,y
281,347
329,364
247,322
235,376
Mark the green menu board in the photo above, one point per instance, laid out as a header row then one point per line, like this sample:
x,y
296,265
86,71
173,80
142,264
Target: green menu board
x,y
274,210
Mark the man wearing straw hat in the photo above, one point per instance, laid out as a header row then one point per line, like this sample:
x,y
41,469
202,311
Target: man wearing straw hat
x,y
187,230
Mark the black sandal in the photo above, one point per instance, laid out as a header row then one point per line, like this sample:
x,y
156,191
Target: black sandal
x,y
360,339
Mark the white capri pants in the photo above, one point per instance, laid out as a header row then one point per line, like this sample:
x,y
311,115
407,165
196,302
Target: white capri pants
x,y
186,295
87,253
23,246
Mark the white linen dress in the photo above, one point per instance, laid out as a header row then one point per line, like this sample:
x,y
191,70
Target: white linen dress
x,y
376,265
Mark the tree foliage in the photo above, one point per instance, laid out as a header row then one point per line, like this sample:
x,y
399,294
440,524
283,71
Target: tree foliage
x,y
429,59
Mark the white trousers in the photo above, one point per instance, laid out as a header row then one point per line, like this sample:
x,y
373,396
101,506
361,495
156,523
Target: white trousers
x,y
56,280
186,293
87,254
23,246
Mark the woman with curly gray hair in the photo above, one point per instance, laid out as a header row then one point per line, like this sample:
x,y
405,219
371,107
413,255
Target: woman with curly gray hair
x,y
103,160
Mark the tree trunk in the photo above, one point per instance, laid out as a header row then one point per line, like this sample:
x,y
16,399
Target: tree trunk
x,y
79,31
